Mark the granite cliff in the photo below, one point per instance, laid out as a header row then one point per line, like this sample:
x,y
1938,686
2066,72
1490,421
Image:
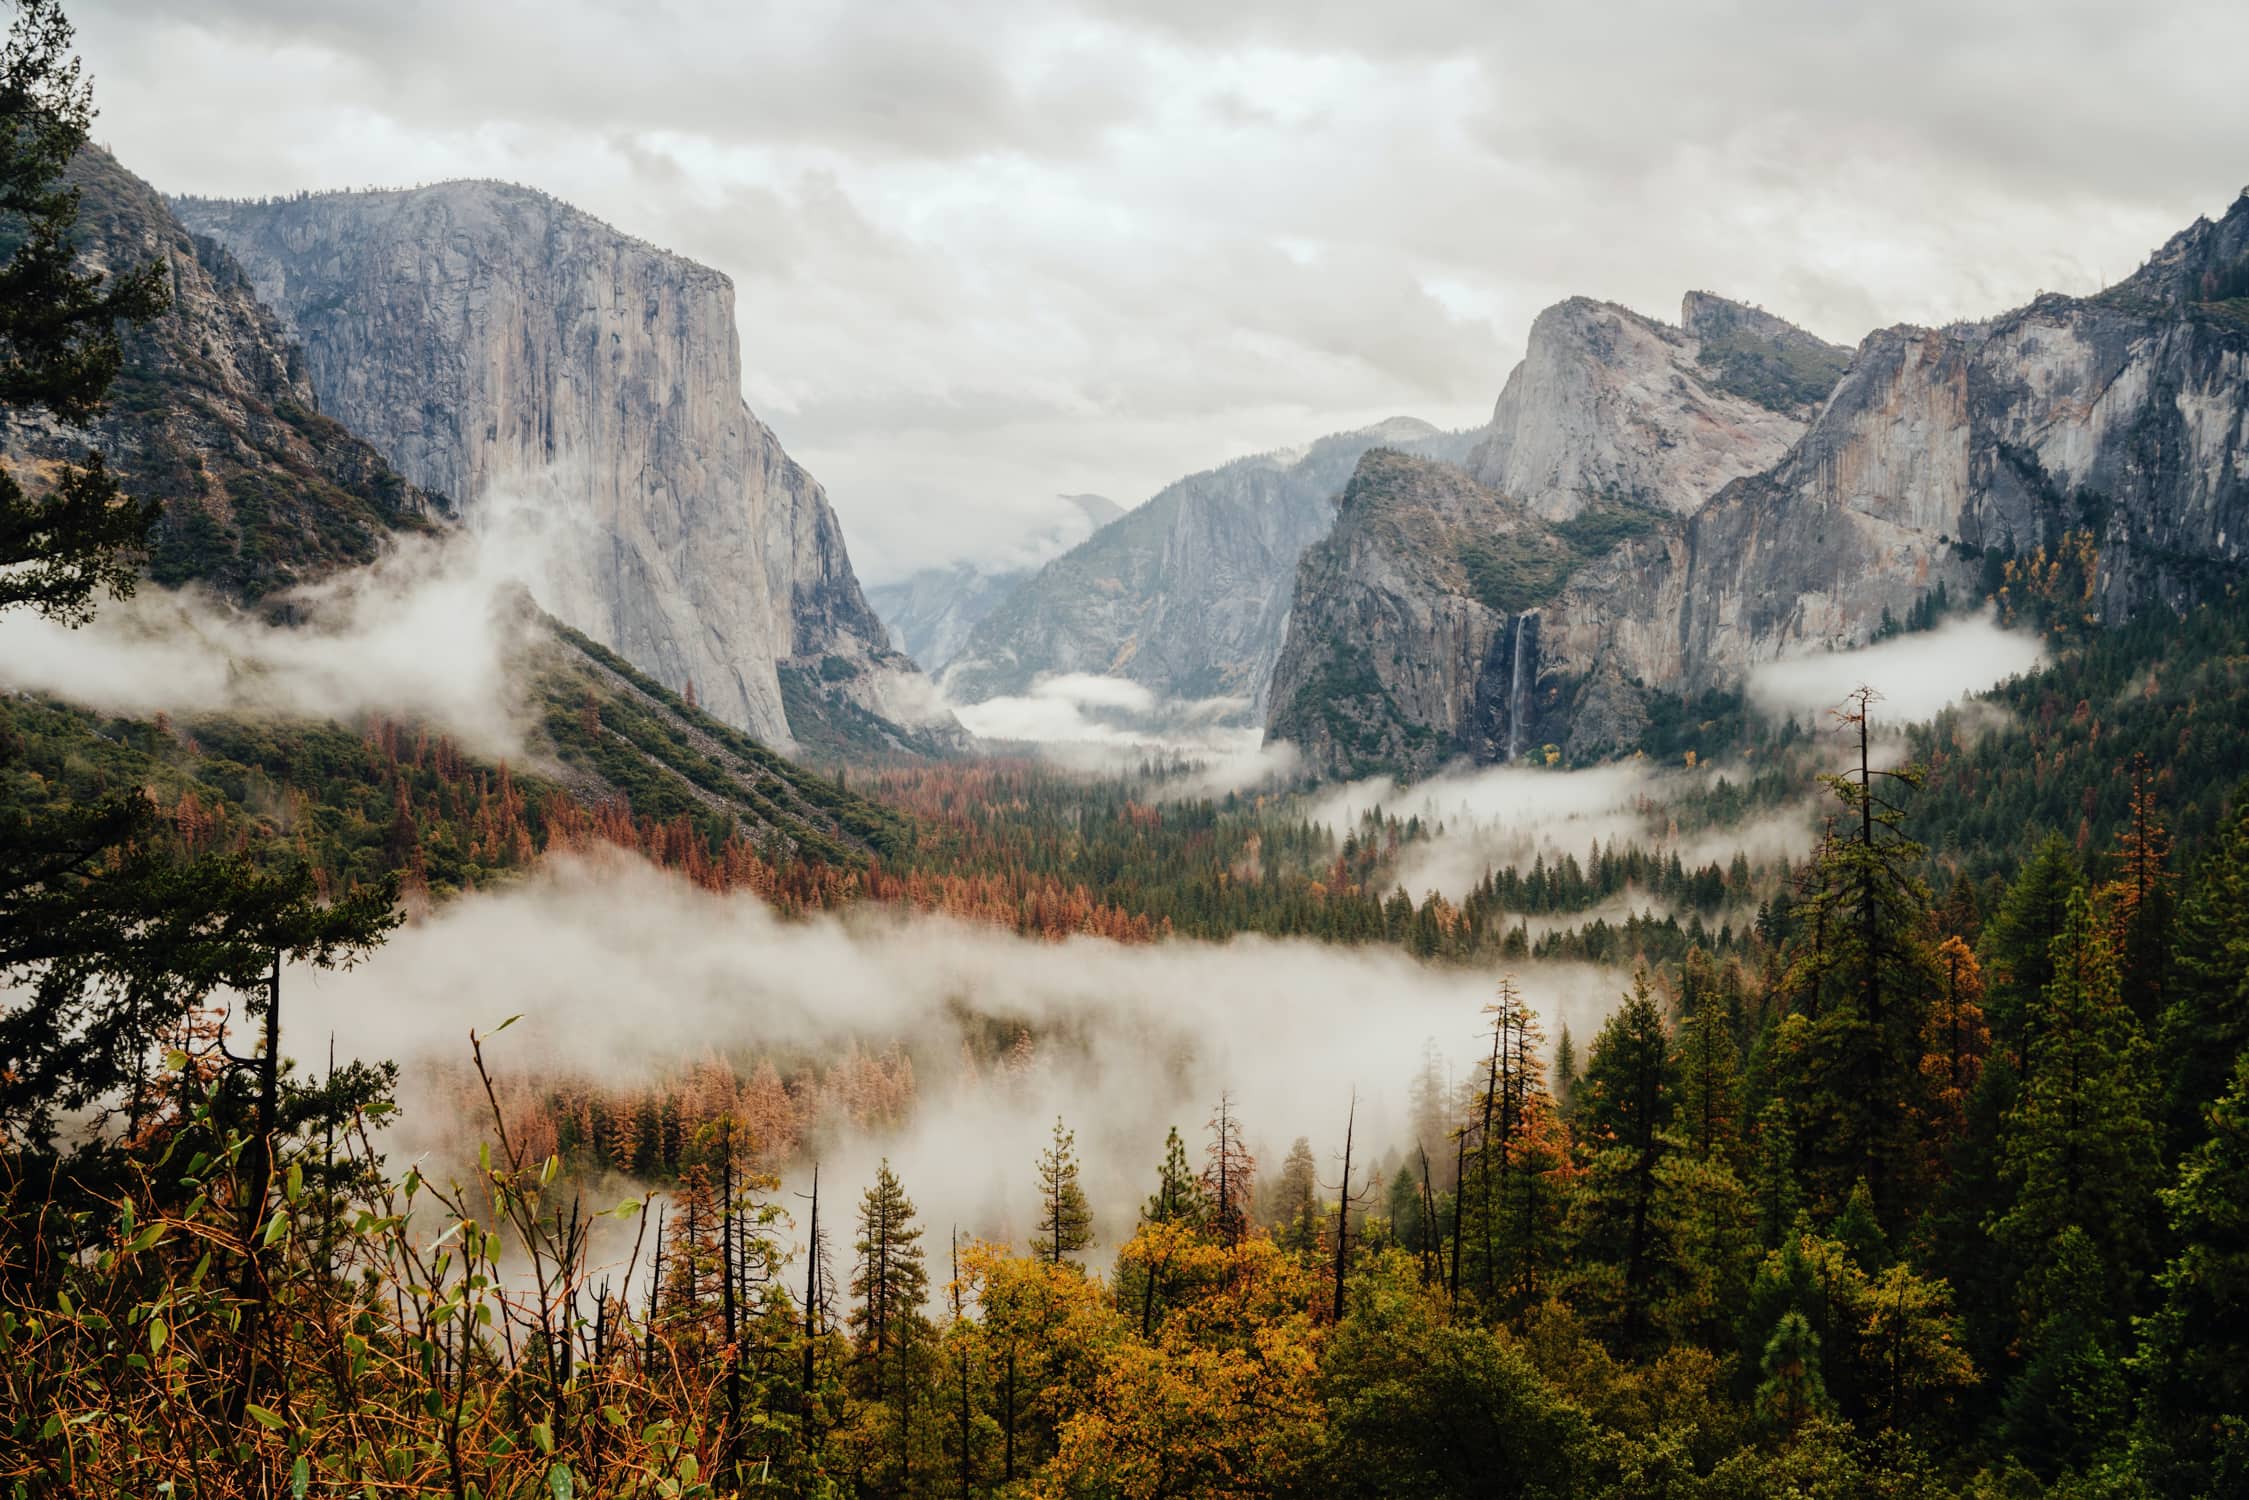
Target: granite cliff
x,y
2104,438
1607,403
578,390
1188,594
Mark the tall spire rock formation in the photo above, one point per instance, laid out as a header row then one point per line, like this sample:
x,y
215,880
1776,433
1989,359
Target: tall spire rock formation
x,y
579,391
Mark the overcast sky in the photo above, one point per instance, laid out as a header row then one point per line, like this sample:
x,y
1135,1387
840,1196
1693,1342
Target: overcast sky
x,y
986,254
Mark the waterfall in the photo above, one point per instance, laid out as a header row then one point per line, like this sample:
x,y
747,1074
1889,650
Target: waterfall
x,y
1526,628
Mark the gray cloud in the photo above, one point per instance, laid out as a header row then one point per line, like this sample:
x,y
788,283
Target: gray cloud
x,y
985,253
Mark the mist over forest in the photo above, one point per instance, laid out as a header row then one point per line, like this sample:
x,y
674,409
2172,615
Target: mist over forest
x,y
621,876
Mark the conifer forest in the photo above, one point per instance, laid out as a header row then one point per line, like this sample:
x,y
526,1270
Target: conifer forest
x,y
1649,948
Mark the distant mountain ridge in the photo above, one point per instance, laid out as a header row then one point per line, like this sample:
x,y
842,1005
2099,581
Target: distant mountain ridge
x,y
490,339
931,612
1187,594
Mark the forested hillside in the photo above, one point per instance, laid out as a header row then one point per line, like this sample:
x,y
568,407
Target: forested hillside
x,y
1901,1152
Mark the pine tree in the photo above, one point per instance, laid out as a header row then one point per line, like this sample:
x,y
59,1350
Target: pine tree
x,y
2205,1026
2018,944
59,344
1625,1106
1065,1222
1295,1210
2194,1352
891,1283
2079,1149
1954,1041
1709,1085
107,946
1792,1391
1229,1174
2140,898
1877,958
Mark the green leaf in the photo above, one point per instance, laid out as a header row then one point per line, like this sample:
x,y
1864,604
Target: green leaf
x,y
176,1060
484,1156
543,1435
300,1478
559,1482
294,1185
510,1021
269,1420
144,1239
276,1227
158,1332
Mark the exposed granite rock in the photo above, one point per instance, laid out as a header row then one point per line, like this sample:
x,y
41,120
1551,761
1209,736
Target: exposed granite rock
x,y
506,349
212,415
1609,404
1941,454
1391,660
1189,593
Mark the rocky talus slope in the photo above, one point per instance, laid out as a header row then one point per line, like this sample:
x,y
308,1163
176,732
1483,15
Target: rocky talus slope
x,y
579,391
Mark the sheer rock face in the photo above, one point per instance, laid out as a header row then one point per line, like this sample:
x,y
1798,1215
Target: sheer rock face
x,y
1607,403
1188,594
584,388
1938,456
1391,661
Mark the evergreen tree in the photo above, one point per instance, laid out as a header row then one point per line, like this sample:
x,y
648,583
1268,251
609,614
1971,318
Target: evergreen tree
x,y
1295,1211
2140,899
2079,1149
891,1283
1065,1222
2205,1026
1565,1069
1873,910
1625,1104
1709,1085
1791,1391
2018,944
1229,1174
60,348
2193,1359
106,943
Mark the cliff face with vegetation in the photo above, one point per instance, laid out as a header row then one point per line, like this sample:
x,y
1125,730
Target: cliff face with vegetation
x,y
1189,593
2083,458
578,391
214,416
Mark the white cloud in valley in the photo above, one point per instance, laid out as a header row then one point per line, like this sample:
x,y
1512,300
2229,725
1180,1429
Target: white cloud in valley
x,y
620,971
986,253
1917,675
